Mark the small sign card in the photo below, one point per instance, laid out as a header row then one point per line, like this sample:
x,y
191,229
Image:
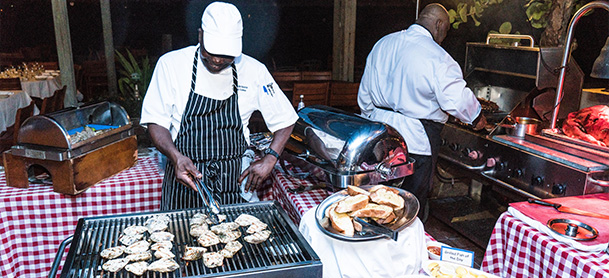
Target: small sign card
x,y
458,256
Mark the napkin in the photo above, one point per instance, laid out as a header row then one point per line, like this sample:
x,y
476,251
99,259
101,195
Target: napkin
x,y
537,216
247,159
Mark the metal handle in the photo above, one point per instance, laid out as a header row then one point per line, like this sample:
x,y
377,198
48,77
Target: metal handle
x,y
597,181
511,36
543,203
62,247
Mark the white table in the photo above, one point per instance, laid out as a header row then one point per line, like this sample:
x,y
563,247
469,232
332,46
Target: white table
x,y
41,88
375,258
9,107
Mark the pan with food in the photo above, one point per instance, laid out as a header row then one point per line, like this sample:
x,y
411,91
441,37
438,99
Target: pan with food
x,y
390,207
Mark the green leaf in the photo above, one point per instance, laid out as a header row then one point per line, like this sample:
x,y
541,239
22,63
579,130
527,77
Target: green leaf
x,y
456,25
452,15
476,22
463,14
505,28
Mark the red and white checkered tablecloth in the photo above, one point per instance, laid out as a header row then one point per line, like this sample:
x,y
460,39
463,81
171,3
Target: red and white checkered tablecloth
x,y
515,249
34,221
296,204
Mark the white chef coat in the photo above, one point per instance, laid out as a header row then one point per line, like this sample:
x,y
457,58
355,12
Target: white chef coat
x,y
169,89
413,78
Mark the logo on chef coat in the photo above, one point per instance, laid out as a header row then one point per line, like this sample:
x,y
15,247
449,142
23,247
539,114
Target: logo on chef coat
x,y
268,89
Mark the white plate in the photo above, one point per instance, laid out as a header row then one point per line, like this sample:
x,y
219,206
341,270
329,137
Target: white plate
x,y
450,269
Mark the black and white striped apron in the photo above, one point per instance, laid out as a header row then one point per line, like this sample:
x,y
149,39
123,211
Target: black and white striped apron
x,y
211,135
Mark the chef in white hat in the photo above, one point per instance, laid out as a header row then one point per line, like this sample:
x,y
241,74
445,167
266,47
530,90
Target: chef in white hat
x,y
198,116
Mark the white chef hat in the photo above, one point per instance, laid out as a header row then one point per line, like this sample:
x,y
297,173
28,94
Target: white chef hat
x,y
222,29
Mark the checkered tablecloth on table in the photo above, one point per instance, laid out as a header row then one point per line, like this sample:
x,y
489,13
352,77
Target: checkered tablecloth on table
x,y
515,249
35,221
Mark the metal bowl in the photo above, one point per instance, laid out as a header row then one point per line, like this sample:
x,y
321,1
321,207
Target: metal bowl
x,y
404,216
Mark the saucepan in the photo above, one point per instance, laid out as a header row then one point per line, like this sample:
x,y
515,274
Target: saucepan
x,y
522,126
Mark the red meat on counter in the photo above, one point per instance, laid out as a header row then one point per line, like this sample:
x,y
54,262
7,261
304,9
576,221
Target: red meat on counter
x,y
589,124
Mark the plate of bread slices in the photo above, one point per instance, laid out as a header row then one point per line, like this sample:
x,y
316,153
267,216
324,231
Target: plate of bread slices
x,y
380,205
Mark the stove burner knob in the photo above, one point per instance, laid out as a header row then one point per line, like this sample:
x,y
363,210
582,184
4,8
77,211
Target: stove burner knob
x,y
491,162
518,173
559,189
454,146
466,151
537,181
474,155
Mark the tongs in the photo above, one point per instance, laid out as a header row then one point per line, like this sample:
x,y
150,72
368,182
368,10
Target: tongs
x,y
211,206
376,229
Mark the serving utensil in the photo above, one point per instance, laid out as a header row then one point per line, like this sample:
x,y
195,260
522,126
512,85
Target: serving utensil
x,y
211,206
562,208
376,229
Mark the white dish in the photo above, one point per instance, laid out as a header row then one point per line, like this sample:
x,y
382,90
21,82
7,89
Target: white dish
x,y
435,244
451,270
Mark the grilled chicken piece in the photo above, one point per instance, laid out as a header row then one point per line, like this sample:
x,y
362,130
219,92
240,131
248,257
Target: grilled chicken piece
x,y
142,256
157,223
198,219
589,124
138,247
246,220
112,252
198,230
163,253
258,237
227,236
162,245
208,238
228,226
193,253
130,239
213,259
221,218
164,265
256,227
161,236
231,248
137,268
115,265
135,230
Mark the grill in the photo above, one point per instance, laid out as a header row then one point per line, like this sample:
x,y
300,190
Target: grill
x,y
344,149
77,147
284,254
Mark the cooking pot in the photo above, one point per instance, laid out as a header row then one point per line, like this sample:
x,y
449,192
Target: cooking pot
x,y
522,126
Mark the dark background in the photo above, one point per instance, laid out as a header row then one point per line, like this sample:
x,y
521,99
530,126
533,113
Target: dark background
x,y
280,33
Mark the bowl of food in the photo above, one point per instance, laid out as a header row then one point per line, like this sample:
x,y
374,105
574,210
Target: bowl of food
x,y
434,249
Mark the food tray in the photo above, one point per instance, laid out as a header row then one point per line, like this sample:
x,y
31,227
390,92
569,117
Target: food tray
x,y
449,269
404,217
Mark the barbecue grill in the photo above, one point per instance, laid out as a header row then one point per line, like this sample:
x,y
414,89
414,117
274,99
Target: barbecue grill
x,y
520,80
344,149
78,147
284,254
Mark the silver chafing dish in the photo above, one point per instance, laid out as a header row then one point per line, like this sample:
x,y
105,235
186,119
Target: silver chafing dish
x,y
77,147
346,149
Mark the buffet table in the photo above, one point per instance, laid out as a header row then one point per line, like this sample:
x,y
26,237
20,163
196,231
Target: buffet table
x,y
9,107
34,221
516,249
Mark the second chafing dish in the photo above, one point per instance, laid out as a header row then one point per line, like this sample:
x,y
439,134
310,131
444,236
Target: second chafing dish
x,y
346,149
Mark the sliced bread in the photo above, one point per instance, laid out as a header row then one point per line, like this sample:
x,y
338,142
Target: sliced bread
x,y
341,222
352,203
387,197
373,210
354,190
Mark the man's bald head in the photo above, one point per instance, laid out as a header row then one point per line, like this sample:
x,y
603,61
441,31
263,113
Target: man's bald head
x,y
434,18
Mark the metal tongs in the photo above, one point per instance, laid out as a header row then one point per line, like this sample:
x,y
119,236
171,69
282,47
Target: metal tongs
x,y
376,229
211,206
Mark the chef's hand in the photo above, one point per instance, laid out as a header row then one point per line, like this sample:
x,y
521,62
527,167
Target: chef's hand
x,y
257,172
481,122
184,169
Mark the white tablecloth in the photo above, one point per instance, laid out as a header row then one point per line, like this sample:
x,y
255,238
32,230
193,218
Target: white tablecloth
x,y
41,88
9,107
376,258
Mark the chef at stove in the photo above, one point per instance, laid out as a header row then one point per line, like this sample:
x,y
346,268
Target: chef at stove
x,y
197,109
411,83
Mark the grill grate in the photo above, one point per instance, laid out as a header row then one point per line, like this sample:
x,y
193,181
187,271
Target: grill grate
x,y
284,253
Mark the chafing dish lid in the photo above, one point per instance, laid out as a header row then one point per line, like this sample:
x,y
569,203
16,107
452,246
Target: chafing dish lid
x,y
54,129
347,141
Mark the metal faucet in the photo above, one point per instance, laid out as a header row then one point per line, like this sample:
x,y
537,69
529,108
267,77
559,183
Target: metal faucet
x,y
567,53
